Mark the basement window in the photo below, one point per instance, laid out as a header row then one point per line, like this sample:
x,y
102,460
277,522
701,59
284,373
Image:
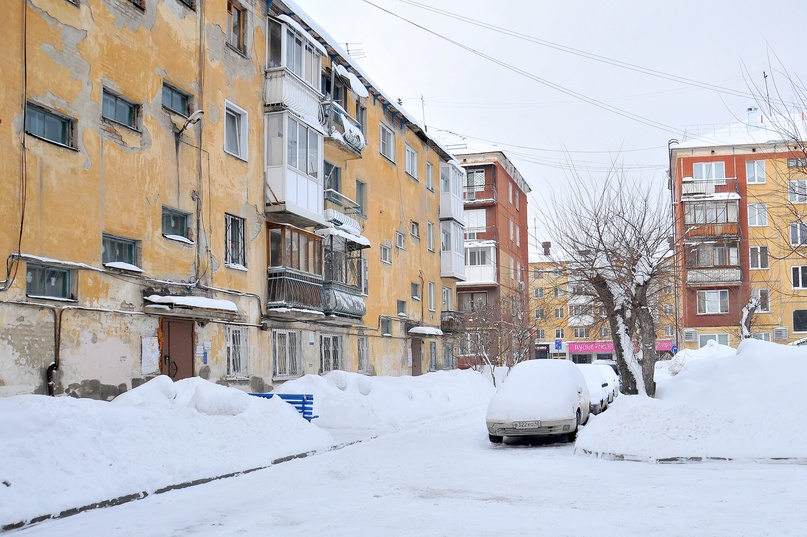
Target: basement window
x,y
49,282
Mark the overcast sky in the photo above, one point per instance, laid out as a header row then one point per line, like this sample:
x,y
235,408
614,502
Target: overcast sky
x,y
532,88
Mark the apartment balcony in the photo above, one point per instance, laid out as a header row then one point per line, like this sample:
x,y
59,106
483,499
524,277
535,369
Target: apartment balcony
x,y
344,270
452,177
452,265
476,275
707,188
711,231
342,300
343,130
479,194
700,277
293,294
283,90
452,321
481,234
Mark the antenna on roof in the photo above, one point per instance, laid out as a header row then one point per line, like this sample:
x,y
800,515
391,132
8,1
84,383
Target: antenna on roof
x,y
767,95
356,52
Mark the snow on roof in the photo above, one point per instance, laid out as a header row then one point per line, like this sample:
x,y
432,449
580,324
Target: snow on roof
x,y
358,239
756,131
426,331
194,302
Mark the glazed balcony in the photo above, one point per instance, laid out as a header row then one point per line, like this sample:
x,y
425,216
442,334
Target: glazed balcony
x,y
452,178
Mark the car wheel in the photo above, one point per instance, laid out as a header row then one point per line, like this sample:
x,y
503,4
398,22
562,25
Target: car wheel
x,y
495,439
573,434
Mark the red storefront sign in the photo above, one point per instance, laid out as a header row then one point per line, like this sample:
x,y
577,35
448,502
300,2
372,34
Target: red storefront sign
x,y
603,347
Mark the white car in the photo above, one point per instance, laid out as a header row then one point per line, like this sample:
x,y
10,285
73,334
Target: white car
x,y
598,386
614,383
539,398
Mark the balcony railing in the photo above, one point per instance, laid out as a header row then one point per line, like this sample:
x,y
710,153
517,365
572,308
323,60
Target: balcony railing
x,y
479,193
489,233
452,321
343,128
725,229
343,300
710,276
291,289
284,89
707,187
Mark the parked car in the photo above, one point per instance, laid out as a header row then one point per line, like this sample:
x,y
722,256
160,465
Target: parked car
x,y
539,398
614,382
612,365
598,388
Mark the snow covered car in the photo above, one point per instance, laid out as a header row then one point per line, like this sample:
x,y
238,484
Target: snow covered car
x,y
598,388
614,384
539,398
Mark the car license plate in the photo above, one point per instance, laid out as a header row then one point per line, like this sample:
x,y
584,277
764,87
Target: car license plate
x,y
526,424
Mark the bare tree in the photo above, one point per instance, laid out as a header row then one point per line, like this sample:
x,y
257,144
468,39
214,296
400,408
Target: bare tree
x,y
615,237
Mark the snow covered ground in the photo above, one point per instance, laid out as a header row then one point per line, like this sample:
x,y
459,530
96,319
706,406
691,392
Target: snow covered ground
x,y
63,453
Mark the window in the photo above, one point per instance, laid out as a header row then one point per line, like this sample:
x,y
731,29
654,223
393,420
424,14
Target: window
x,y
234,249
763,297
518,237
401,307
474,182
431,296
797,190
361,116
711,302
386,254
235,26
757,214
119,110
430,176
400,240
722,339
798,234
512,231
475,257
286,354
387,142
475,223
293,248
333,181
796,162
386,327
237,354
711,212
430,236
48,126
432,356
447,302
303,59
709,170
557,272
49,282
763,336
800,320
669,330
539,314
361,197
755,171
190,3
364,356
175,224
330,348
605,332
558,292
582,333
579,309
175,100
118,250
411,162
510,192
538,292
667,309
139,3
302,147
414,229
517,197
559,333
235,130
540,334
799,277
472,301
415,291
713,255
558,313
448,355
537,273
759,257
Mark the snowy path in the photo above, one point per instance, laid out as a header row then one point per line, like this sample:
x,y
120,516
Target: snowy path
x,y
444,478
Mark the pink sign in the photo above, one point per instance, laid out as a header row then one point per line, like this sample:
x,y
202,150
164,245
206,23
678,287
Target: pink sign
x,y
603,347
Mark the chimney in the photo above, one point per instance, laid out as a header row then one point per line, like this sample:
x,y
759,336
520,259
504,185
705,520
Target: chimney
x,y
546,246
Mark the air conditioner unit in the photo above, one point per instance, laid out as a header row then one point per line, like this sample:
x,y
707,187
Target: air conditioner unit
x,y
780,333
690,335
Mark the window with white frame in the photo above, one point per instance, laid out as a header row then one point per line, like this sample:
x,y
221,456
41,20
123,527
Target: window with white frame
x,y
558,292
762,336
411,162
798,234
302,147
430,236
364,355
540,334
538,314
431,296
118,250
237,352
669,330
361,197
518,237
797,191
48,281
235,130
582,333
755,171
415,287
302,57
510,192
286,354
512,230
430,176
763,297
709,170
605,332
400,240
386,253
387,146
330,348
235,247
476,257
668,309
558,313
797,162
538,292
447,299
758,258
757,214
475,223
799,277
721,339
559,333
713,302
414,229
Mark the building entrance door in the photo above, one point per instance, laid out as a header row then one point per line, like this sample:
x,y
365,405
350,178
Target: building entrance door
x,y
177,348
417,357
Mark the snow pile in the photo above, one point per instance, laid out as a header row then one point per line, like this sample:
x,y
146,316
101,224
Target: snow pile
x,y
743,404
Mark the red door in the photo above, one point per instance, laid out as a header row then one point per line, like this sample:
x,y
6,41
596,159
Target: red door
x,y
177,349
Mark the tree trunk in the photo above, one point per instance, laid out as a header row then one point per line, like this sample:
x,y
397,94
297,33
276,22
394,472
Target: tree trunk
x,y
647,340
